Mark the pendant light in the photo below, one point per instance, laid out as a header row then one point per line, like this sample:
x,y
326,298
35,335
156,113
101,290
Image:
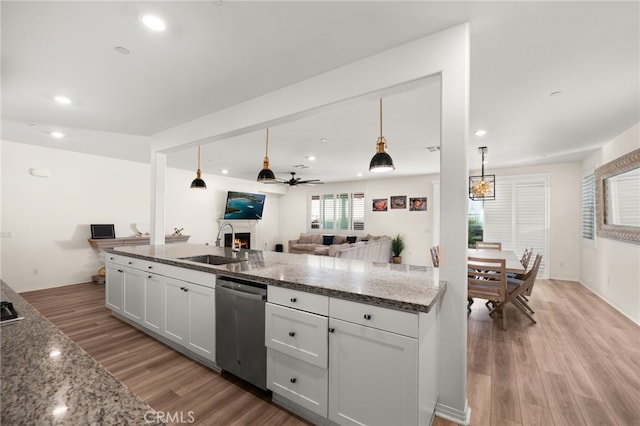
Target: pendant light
x,y
381,161
198,182
266,175
482,187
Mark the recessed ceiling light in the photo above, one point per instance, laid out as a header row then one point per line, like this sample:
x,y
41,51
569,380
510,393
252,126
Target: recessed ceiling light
x,y
225,171
323,139
122,50
359,175
62,100
57,135
153,23
310,157
480,133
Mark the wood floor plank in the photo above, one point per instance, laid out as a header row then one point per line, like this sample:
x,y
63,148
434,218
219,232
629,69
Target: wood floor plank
x,y
564,409
534,415
530,387
595,412
479,394
504,387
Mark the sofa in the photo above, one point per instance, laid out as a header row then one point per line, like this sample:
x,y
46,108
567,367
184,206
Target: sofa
x,y
364,247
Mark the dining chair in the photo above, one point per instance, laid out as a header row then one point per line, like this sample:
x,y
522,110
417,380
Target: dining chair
x,y
517,289
486,279
435,256
486,245
524,260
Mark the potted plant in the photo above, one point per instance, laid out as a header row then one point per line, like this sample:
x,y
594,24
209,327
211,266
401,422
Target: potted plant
x,y
397,245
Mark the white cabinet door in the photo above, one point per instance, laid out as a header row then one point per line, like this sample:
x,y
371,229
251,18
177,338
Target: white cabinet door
x,y
133,303
373,376
154,306
114,286
175,310
201,318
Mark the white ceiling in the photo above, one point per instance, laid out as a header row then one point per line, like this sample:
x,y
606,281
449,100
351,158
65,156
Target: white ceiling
x,y
217,54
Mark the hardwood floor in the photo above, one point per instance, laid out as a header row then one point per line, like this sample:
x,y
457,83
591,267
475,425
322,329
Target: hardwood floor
x,y
580,365
168,381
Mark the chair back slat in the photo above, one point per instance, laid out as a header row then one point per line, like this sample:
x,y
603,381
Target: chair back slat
x,y
435,256
487,279
526,257
486,245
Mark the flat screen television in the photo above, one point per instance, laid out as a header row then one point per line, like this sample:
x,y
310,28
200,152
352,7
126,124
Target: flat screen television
x,y
244,205
99,231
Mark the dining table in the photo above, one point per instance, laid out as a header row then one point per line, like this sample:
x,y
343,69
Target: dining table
x,y
512,261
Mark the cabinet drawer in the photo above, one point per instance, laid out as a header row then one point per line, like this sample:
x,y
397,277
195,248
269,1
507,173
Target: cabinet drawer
x,y
302,335
311,302
298,381
405,323
117,259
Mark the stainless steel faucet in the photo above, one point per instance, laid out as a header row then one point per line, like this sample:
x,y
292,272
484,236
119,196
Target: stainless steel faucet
x,y
234,249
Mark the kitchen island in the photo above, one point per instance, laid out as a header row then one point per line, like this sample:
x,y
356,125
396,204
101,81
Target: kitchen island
x,y
405,287
48,379
347,341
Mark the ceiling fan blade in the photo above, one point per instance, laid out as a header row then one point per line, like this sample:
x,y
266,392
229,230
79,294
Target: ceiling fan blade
x,y
310,181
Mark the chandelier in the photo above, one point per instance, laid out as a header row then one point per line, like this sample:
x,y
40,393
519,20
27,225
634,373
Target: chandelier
x,y
482,187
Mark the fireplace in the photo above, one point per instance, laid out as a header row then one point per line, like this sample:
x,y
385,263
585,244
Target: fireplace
x,y
243,240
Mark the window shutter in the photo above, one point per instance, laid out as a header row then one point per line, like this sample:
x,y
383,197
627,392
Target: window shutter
x,y
498,217
518,216
315,219
357,209
328,211
588,207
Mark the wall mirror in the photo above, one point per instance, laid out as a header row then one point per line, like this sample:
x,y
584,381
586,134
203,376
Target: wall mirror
x,y
618,198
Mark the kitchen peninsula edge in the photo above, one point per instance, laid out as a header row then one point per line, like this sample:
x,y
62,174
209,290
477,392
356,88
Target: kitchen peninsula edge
x,y
396,286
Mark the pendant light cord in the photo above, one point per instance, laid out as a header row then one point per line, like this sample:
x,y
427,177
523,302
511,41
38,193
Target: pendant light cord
x,y
380,117
266,151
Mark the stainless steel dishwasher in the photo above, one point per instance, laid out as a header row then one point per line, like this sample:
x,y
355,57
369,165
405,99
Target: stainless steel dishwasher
x,y
240,348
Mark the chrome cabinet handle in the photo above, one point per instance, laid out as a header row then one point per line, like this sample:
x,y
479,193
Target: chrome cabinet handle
x,y
119,270
130,263
150,267
293,300
367,316
331,330
293,380
292,333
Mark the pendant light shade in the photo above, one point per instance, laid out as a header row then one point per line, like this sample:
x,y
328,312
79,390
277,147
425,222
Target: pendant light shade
x,y
482,187
381,161
266,175
198,182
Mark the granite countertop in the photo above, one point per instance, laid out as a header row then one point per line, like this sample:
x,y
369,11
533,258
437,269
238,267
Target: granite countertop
x,y
405,287
48,379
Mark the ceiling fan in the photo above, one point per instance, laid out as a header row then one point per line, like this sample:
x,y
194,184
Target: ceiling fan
x,y
294,181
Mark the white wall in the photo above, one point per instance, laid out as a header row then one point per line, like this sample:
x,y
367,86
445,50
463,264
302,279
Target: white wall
x,y
416,226
49,218
612,268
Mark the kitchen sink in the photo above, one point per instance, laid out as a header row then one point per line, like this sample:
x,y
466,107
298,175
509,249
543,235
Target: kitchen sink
x,y
211,259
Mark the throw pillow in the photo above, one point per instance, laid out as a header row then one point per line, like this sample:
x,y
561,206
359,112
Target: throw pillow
x,y
327,240
305,238
351,240
339,239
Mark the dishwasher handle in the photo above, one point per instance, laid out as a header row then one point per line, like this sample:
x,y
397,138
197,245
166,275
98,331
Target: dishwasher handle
x,y
240,293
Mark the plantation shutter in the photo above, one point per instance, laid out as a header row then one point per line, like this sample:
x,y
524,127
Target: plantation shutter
x,y
343,215
588,207
357,209
498,216
328,211
315,218
518,217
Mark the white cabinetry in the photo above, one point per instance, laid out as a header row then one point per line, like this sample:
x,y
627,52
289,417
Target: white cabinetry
x,y
114,292
297,352
373,369
174,303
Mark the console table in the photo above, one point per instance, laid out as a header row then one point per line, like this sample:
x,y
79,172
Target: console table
x,y
104,243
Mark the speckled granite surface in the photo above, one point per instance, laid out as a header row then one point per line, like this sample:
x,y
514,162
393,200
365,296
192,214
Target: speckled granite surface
x,y
49,380
406,287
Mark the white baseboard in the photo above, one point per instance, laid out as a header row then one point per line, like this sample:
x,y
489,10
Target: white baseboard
x,y
453,414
